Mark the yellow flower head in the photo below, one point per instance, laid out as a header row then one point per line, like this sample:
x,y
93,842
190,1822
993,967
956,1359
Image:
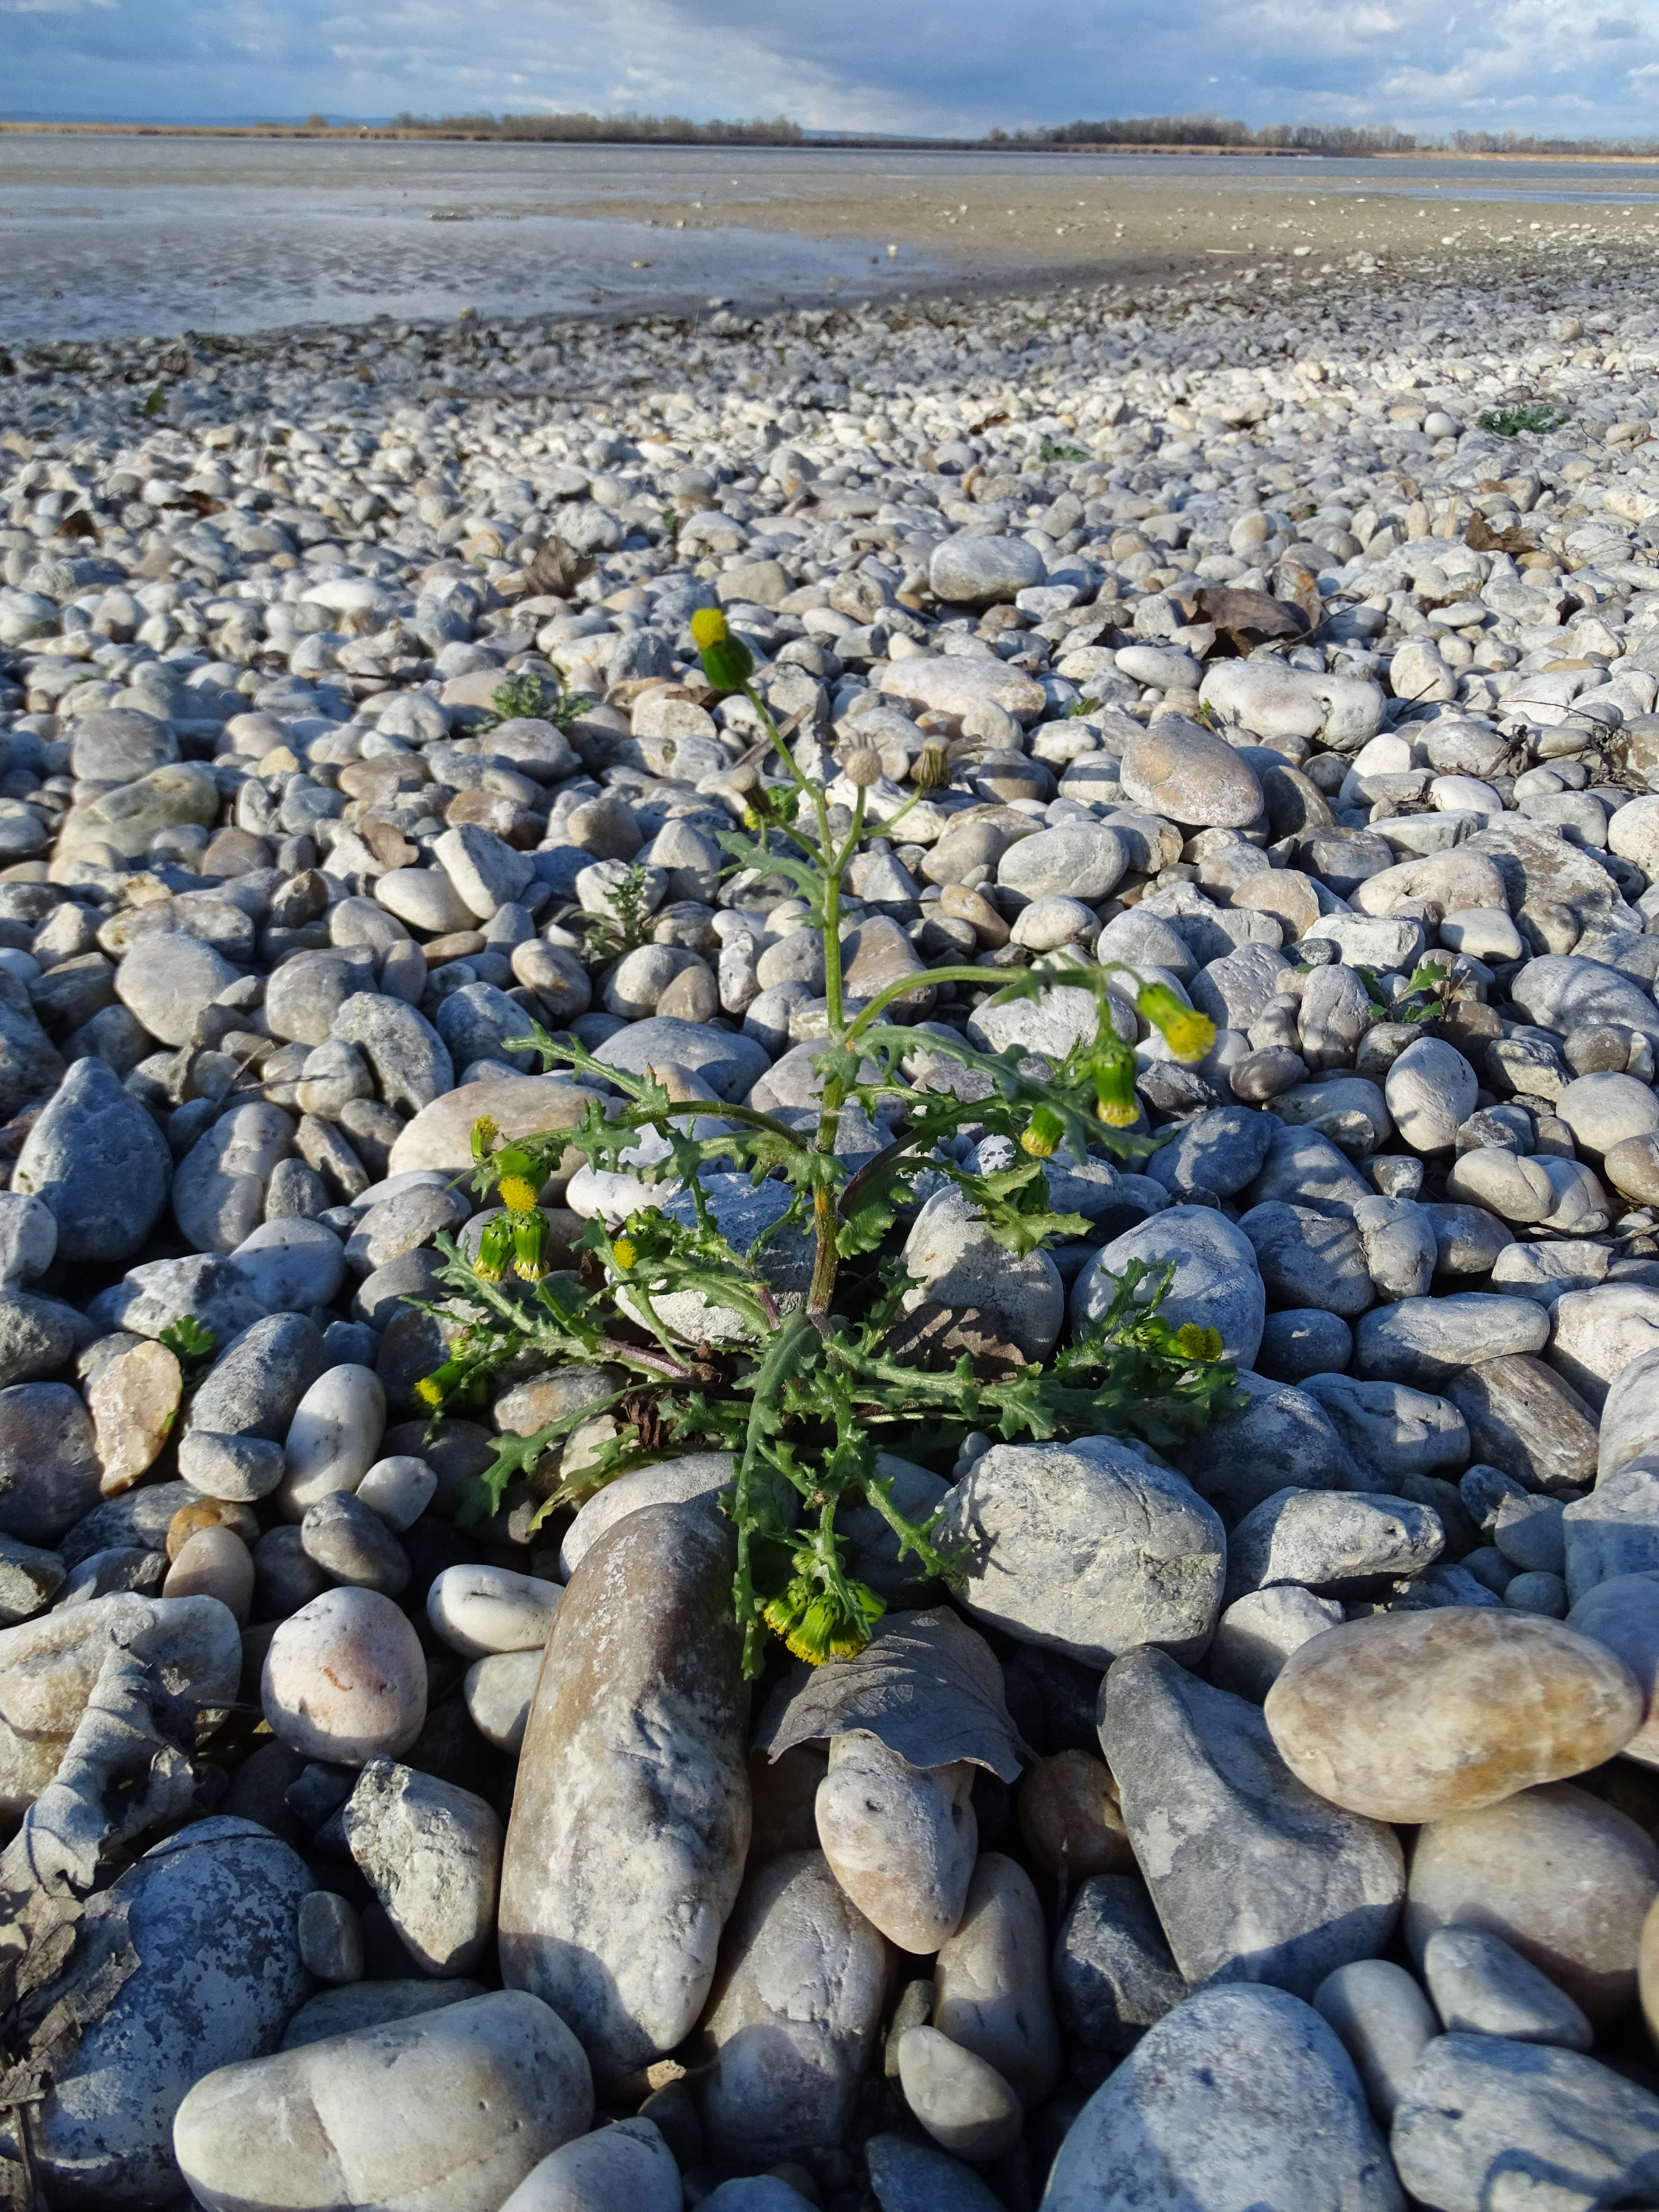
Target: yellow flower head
x,y
483,1136
518,1193
1188,1035
429,1391
624,1253
708,627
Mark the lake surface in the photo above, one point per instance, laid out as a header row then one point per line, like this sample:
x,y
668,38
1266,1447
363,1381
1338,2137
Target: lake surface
x,y
119,236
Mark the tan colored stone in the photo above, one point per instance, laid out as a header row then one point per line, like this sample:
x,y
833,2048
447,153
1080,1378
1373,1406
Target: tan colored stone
x,y
957,904
878,953
440,1134
1566,1879
1411,1716
133,1404
1285,893
900,1839
1648,1969
211,1513
1069,1817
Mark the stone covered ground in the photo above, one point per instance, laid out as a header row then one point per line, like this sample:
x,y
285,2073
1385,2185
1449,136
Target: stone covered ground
x,y
1262,667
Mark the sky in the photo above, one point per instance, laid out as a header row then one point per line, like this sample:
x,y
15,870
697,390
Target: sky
x,y
1564,68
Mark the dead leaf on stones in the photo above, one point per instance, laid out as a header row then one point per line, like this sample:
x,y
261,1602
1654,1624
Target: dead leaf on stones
x,y
1244,620
1481,538
133,1404
934,1336
557,569
926,1684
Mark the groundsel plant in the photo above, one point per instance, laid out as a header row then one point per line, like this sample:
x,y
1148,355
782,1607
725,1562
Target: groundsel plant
x,y
805,1387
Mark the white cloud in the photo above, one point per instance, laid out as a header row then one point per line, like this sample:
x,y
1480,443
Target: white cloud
x,y
1528,64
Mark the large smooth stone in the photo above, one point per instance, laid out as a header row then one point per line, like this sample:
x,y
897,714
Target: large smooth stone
x,y
1087,1548
445,2112
793,2021
953,1258
1486,2122
219,1191
1216,1285
1564,1878
1188,775
212,1913
1408,1716
1238,2098
1254,1878
631,1816
49,1469
1384,2023
440,1134
50,1665
94,1141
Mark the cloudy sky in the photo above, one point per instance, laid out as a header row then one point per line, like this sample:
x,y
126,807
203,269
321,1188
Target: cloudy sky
x,y
1565,67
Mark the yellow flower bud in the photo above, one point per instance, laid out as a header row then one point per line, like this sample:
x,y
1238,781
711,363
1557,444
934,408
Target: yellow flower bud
x,y
708,627
930,768
1041,1138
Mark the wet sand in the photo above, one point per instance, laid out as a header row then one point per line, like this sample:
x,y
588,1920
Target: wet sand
x,y
1071,224
106,236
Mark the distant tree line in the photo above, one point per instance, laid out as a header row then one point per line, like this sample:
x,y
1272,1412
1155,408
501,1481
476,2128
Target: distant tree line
x,y
1514,141
1195,131
1216,131
652,130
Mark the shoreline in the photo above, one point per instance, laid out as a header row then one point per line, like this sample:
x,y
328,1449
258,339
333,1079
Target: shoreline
x,y
358,133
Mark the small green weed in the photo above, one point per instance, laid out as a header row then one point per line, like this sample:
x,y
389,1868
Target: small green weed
x,y
1050,451
1536,416
532,698
629,923
191,1345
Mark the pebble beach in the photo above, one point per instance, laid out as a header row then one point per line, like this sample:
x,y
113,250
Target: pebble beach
x,y
1268,1819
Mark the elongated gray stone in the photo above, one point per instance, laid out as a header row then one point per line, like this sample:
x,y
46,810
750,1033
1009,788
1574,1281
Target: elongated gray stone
x,y
1254,1878
626,1843
803,1975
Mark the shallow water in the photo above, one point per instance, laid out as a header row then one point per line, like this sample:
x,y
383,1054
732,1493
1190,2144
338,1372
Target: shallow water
x,y
104,236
